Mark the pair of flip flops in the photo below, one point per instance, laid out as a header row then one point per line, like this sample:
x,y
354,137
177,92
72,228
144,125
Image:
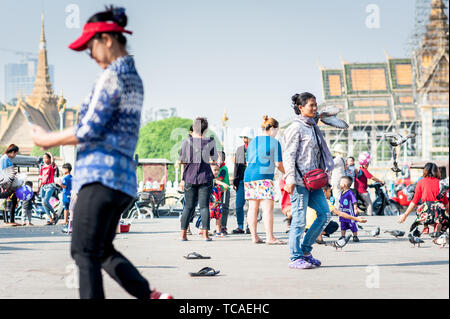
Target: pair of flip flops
x,y
204,272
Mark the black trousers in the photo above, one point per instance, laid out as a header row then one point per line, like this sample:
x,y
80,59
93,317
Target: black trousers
x,y
226,208
96,216
194,194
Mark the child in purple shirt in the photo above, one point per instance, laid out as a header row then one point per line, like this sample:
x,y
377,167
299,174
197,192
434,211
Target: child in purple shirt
x,y
348,205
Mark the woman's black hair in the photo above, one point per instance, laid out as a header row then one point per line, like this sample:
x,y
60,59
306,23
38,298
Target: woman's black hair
x,y
12,149
200,125
431,170
301,99
113,14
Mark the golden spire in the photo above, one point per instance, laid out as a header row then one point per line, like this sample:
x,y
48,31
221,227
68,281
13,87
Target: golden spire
x,y
62,103
42,85
42,31
225,119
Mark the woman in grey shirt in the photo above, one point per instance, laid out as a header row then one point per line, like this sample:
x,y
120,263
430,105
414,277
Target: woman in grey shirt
x,y
195,156
305,150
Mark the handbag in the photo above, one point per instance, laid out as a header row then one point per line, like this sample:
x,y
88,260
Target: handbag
x,y
317,178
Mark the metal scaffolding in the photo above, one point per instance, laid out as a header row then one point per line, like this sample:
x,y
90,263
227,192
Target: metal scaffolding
x,y
429,44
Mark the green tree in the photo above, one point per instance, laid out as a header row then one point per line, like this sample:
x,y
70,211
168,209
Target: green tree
x,y
163,139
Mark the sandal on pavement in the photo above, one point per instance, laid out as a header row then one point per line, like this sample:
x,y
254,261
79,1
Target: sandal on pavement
x,y
205,272
259,242
195,255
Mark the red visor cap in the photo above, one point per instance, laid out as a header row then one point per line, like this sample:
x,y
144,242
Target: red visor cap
x,y
90,29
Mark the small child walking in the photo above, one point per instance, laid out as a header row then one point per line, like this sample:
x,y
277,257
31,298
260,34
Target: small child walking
x,y
225,200
27,208
286,206
216,204
348,205
311,216
67,189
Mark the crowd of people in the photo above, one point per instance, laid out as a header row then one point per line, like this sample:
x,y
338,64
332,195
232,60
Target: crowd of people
x,y
48,183
105,182
307,209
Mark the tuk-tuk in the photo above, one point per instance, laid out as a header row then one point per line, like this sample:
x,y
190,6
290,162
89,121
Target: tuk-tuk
x,y
23,161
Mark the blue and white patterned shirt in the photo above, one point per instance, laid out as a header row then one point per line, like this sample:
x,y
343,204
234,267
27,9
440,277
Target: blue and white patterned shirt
x,y
108,129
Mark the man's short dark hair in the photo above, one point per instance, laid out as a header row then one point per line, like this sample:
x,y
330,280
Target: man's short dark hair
x,y
68,166
348,179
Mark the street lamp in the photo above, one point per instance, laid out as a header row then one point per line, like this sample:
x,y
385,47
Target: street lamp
x,y
61,109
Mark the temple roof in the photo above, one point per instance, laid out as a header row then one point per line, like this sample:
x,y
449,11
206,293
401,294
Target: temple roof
x,y
42,106
364,79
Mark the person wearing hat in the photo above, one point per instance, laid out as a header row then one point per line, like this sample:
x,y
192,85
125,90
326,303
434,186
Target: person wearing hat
x,y
240,164
105,172
338,172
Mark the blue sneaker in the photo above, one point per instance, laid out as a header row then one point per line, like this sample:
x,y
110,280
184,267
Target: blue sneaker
x,y
310,259
300,264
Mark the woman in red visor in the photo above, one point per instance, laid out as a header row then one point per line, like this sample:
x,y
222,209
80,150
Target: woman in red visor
x,y
105,172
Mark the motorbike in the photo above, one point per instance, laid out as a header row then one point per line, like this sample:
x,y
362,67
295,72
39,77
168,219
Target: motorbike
x,y
382,205
403,196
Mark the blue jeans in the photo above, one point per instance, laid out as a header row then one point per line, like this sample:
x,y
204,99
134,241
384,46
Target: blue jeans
x,y
46,194
240,202
300,200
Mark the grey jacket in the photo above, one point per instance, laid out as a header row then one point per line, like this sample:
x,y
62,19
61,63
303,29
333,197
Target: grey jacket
x,y
301,148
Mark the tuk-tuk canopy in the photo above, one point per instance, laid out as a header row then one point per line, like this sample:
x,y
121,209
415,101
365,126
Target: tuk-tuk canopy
x,y
442,164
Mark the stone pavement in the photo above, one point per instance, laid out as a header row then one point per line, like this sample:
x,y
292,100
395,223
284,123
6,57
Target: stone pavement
x,y
36,263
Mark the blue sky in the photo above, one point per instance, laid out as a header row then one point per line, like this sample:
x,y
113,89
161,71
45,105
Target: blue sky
x,y
204,56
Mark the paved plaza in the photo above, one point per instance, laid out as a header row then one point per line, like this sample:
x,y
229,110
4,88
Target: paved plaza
x,y
36,263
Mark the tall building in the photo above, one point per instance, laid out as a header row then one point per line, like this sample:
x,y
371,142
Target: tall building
x,y
41,106
20,77
400,94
